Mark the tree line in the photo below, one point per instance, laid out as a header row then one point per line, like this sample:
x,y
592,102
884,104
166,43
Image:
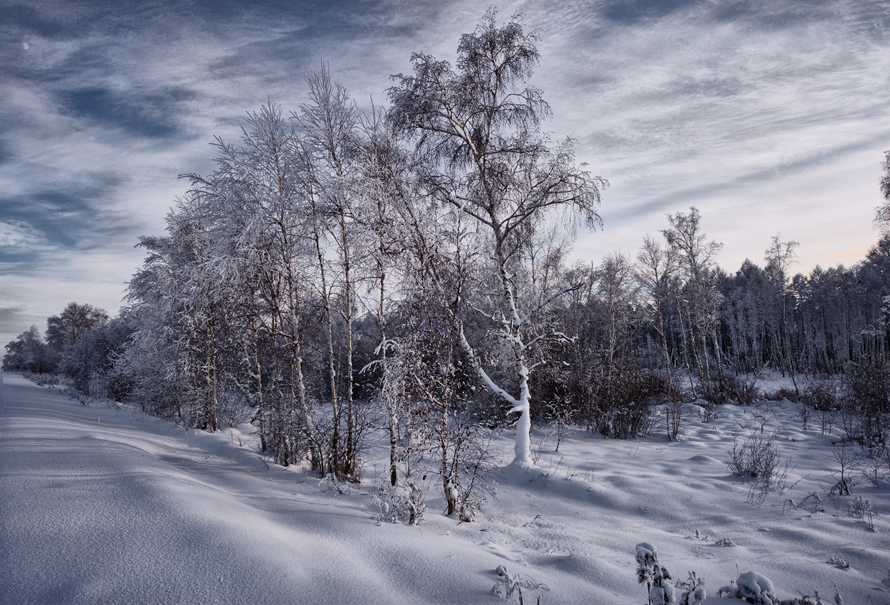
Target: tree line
x,y
407,269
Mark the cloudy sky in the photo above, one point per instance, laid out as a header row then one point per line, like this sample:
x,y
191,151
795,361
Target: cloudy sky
x,y
770,117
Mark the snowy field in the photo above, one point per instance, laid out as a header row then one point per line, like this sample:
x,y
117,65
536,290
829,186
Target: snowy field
x,y
106,505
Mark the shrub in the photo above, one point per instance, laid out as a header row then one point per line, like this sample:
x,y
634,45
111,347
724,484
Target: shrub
x,y
729,387
718,391
862,511
843,477
623,401
400,502
751,587
673,413
674,405
756,457
822,397
44,380
874,462
508,584
745,392
655,577
782,393
866,402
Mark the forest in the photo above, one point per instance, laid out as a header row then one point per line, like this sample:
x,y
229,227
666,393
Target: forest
x,y
407,270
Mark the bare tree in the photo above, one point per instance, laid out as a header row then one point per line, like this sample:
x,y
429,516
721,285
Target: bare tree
x,y
385,179
28,353
779,257
427,365
329,151
698,301
882,220
477,137
174,363
656,272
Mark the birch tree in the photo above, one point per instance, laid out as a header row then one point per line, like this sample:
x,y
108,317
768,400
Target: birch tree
x,y
329,154
476,130
882,219
438,261
699,301
385,177
656,272
262,251
170,362
779,258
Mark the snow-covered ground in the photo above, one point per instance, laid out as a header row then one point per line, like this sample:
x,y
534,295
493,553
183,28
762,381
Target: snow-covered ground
x,y
106,505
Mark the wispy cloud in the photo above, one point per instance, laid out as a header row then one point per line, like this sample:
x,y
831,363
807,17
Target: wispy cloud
x,y
749,109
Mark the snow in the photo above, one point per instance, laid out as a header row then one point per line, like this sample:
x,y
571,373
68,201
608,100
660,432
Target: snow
x,y
755,588
102,504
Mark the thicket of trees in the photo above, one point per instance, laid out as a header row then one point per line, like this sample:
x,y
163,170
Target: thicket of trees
x,y
407,269
81,343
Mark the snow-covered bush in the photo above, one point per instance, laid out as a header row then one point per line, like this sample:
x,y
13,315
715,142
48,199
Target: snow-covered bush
x,y
821,396
866,402
874,462
743,391
43,380
751,587
437,426
838,562
508,584
673,414
400,502
862,511
756,457
708,409
693,590
843,476
655,577
781,393
723,388
623,400
332,483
